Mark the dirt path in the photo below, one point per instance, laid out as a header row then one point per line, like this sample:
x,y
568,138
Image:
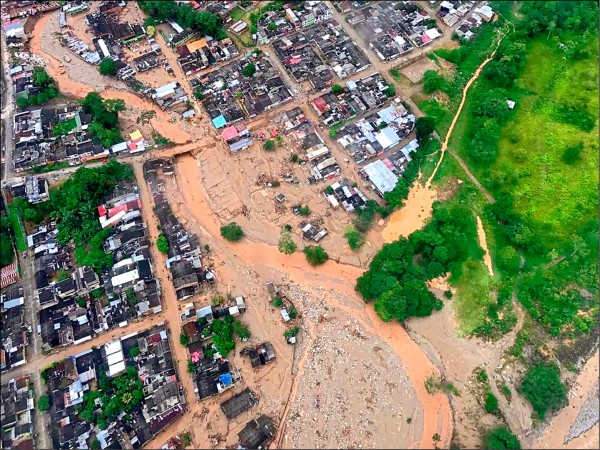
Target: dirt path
x,y
421,198
460,107
487,259
472,177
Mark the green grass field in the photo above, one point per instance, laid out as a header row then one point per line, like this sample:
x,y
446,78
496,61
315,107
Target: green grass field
x,y
555,199
15,222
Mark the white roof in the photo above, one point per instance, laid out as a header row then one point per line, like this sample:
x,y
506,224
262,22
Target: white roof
x,y
116,369
381,176
433,33
166,89
124,278
387,137
119,147
113,347
114,358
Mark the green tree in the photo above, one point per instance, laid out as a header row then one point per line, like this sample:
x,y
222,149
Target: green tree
x,y
241,330
491,402
355,238
500,439
315,255
269,145
108,67
162,244
183,339
232,232
249,70
187,439
198,94
543,388
41,78
81,302
44,403
425,126
304,210
22,102
336,89
272,26
133,352
286,244
390,91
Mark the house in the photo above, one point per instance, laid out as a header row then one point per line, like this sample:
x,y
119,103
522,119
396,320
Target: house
x,y
34,189
381,176
237,137
239,403
260,355
258,433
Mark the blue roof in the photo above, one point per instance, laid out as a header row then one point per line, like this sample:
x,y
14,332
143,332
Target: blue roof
x,y
219,122
225,378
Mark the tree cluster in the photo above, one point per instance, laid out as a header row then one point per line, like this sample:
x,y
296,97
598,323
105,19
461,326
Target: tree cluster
x,y
266,7
162,244
501,439
397,274
105,118
544,389
6,248
121,394
207,23
47,89
74,207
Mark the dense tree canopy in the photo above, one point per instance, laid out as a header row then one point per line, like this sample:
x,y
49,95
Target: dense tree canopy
x,y
501,439
207,23
397,274
105,118
425,126
108,67
543,388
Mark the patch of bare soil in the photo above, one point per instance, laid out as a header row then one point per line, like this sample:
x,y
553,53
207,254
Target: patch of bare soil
x,y
415,71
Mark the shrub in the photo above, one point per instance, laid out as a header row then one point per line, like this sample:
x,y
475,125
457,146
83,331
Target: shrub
x,y
198,94
572,153
277,302
135,351
291,332
293,313
315,255
286,244
232,232
44,403
187,439
501,438
269,145
390,91
543,388
183,339
108,67
304,210
448,294
81,302
336,89
491,402
162,244
191,368
217,300
22,102
355,238
294,158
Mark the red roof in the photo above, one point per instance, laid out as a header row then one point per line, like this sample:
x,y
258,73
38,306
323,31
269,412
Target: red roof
x,y
274,132
116,210
229,133
320,104
195,5
101,210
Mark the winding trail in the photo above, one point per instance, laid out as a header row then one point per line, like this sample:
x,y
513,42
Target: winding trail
x,y
419,205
